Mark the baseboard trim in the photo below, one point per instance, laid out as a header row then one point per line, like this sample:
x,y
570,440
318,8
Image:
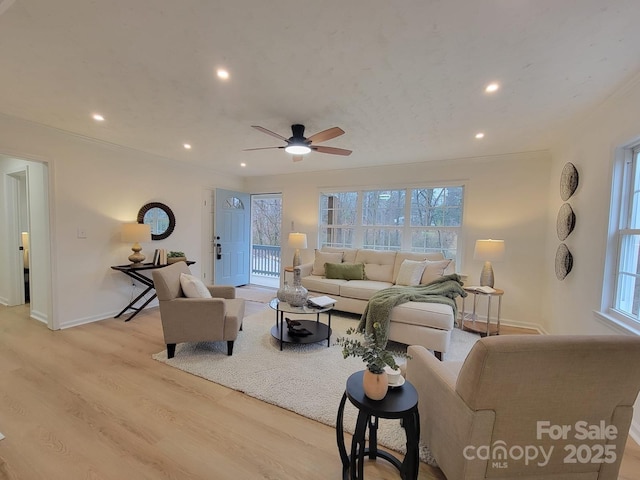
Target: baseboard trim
x,y
39,316
512,323
103,316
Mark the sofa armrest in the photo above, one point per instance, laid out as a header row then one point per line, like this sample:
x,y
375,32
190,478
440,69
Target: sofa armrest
x,y
447,424
306,269
222,291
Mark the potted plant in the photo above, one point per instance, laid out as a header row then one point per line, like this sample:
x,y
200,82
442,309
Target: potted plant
x,y
173,257
376,358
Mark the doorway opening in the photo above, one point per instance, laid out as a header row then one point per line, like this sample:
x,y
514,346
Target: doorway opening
x,y
266,221
26,247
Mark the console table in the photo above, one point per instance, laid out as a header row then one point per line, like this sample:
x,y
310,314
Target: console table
x,y
136,274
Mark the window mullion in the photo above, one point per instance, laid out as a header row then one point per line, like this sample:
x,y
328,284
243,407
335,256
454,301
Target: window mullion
x,y
406,226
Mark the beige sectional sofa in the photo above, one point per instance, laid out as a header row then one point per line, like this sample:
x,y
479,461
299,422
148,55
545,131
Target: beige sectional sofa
x,y
412,323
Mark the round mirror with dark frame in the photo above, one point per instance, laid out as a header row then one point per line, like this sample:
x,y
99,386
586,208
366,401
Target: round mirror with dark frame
x,y
159,217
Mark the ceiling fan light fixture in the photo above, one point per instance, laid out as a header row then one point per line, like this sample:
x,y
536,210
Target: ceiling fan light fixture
x,y
297,149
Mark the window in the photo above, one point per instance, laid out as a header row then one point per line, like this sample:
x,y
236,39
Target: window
x,y
625,301
382,219
377,219
436,218
337,219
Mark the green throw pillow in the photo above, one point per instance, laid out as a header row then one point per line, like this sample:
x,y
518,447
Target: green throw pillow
x,y
344,271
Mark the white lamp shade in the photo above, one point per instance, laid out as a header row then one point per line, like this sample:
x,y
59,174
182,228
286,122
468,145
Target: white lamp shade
x,y
297,240
136,232
489,250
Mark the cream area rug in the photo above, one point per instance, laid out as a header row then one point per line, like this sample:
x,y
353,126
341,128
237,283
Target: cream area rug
x,y
256,293
306,379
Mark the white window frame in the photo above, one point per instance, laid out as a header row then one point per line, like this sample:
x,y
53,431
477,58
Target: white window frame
x,y
359,228
626,162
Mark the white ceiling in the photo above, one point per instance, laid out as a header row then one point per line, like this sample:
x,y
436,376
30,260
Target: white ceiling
x,y
404,78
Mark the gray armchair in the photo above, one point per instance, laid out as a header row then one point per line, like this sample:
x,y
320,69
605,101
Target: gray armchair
x,y
196,319
524,393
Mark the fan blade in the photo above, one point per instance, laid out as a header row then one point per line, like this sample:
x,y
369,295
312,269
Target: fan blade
x,y
298,158
332,150
325,135
261,148
269,132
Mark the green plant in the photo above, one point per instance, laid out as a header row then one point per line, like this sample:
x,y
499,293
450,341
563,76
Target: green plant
x,y
374,356
175,254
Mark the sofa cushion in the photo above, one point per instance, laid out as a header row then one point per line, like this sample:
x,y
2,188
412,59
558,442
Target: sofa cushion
x,y
410,272
435,315
378,264
345,271
434,270
324,257
315,283
417,257
348,254
362,289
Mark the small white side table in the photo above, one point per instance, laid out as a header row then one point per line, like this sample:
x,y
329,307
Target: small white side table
x,y
469,321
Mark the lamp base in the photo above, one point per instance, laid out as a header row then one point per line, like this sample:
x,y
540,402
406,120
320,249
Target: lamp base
x,y
296,258
136,258
486,276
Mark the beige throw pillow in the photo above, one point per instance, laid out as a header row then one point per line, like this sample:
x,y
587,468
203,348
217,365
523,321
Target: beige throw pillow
x,y
193,287
434,270
322,258
410,272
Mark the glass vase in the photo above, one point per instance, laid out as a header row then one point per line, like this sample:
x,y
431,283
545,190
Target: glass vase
x,y
297,294
282,292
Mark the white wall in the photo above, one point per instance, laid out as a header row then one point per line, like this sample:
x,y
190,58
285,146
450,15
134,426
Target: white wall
x,y
590,146
506,197
97,187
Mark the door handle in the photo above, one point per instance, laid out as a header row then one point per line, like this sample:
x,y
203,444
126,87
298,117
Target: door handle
x,y
218,251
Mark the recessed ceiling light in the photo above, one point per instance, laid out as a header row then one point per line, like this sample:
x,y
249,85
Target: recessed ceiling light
x,y
480,135
97,117
243,164
222,73
492,87
187,146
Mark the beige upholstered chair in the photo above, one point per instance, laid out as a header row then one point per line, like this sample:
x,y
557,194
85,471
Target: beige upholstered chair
x,y
518,394
196,319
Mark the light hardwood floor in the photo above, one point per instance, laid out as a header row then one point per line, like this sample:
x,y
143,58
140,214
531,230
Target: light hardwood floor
x,y
90,403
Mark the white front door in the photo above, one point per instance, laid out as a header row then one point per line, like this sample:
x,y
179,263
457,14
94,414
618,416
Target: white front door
x,y
232,239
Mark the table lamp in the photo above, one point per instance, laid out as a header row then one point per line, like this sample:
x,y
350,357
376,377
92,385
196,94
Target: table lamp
x,y
488,251
136,233
297,241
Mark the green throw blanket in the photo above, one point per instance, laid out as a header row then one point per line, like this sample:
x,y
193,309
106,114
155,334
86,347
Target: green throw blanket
x,y
443,290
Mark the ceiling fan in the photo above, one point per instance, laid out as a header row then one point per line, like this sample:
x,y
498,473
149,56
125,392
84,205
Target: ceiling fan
x,y
299,145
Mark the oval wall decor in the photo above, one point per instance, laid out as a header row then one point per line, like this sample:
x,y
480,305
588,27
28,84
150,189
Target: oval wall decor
x,y
568,181
564,261
160,217
566,221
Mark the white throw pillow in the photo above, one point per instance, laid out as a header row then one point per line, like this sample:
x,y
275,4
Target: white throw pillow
x,y
193,287
325,257
434,270
410,272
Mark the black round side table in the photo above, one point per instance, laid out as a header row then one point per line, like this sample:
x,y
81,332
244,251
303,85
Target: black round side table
x,y
401,403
